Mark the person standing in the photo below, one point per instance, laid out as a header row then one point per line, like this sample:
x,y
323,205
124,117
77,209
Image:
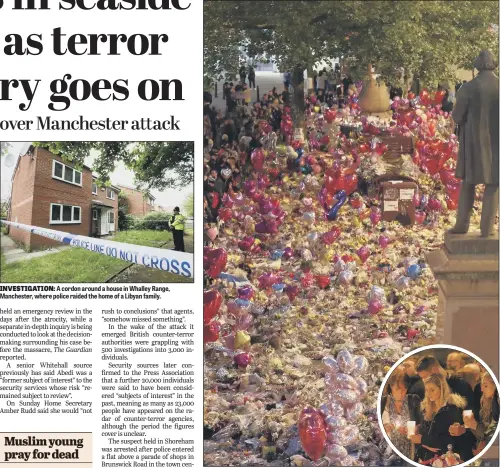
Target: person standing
x,y
177,226
477,115
243,73
252,77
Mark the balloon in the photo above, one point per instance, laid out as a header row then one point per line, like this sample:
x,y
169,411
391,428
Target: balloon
x,y
330,363
334,180
363,253
341,380
309,217
242,339
257,159
434,205
345,278
339,266
330,237
292,291
375,306
341,200
384,241
225,214
212,303
246,243
350,183
413,271
345,361
353,412
215,262
246,292
242,359
361,365
375,216
323,281
345,396
211,332
312,432
420,217
335,452
288,253
362,387
212,233
412,333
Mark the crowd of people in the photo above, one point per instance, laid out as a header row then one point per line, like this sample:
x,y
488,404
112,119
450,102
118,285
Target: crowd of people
x,y
429,411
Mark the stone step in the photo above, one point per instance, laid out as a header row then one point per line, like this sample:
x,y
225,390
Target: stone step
x,y
16,257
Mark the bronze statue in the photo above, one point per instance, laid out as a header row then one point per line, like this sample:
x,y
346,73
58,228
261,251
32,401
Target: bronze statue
x,y
477,114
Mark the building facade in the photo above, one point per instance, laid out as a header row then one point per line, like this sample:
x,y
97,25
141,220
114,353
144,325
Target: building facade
x,y
138,203
50,193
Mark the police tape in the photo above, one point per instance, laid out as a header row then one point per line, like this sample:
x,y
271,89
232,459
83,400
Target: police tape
x,y
178,263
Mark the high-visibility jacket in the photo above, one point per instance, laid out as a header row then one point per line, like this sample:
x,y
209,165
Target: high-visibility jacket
x,y
177,222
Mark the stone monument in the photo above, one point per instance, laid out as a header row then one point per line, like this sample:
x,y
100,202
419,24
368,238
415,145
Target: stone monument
x,y
477,114
467,265
374,100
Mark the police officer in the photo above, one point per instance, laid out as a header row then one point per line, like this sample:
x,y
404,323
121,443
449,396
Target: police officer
x,y
177,226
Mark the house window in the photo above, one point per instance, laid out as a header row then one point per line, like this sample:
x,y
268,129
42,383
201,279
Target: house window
x,y
111,217
110,194
94,188
94,215
65,214
66,173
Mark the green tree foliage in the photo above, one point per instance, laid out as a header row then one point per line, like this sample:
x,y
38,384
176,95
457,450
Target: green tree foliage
x,y
189,205
4,148
429,39
156,165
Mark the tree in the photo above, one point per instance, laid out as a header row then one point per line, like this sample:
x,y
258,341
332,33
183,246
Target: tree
x,y
4,207
425,39
189,205
4,148
156,165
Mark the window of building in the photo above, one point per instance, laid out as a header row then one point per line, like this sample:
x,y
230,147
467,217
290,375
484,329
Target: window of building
x,y
111,217
94,215
110,194
65,214
94,188
66,173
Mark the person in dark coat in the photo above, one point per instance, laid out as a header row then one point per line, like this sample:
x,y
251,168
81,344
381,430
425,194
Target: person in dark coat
x,y
428,366
477,114
441,409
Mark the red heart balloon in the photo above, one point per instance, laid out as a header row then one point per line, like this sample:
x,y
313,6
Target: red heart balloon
x,y
364,253
312,432
350,184
225,214
212,303
257,159
246,243
330,237
420,217
292,291
211,332
323,281
215,262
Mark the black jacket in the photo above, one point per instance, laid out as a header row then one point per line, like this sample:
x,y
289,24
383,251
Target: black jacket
x,y
416,386
436,432
461,387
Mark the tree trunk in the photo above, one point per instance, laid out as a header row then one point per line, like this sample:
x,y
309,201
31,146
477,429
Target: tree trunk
x,y
298,97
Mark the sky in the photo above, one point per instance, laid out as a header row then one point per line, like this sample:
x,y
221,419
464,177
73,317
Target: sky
x,y
167,199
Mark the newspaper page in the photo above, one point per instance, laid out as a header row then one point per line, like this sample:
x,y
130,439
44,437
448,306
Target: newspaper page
x,y
100,336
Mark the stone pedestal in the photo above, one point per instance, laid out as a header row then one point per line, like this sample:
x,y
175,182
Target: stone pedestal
x,y
467,271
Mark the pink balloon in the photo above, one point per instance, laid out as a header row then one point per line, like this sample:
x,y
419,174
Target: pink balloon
x,y
384,241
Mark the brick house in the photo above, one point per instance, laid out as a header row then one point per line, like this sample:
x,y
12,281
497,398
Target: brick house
x,y
50,193
139,203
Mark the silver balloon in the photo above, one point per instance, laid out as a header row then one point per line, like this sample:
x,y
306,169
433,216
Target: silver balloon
x,y
335,452
335,409
307,255
403,283
345,361
345,396
339,266
333,422
362,387
361,365
342,381
345,278
331,364
376,293
312,237
353,412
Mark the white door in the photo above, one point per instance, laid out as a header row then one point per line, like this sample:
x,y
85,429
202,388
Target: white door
x,y
104,222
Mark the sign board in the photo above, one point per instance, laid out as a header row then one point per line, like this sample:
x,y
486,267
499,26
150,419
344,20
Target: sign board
x,y
397,200
178,263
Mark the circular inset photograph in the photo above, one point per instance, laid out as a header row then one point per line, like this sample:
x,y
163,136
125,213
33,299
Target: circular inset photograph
x,y
439,406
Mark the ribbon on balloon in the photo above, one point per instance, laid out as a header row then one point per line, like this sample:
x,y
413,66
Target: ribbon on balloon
x,y
339,200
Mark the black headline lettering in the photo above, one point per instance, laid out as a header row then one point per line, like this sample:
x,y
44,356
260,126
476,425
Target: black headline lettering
x,y
102,4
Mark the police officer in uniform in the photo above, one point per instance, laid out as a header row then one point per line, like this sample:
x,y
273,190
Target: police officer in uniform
x,y
177,226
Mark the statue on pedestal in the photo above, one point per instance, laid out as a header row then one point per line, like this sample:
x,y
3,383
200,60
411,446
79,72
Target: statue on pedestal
x,y
477,114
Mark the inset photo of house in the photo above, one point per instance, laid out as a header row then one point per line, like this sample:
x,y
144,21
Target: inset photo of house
x,y
96,212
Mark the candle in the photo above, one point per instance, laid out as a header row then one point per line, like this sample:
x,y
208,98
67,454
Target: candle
x,y
411,427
